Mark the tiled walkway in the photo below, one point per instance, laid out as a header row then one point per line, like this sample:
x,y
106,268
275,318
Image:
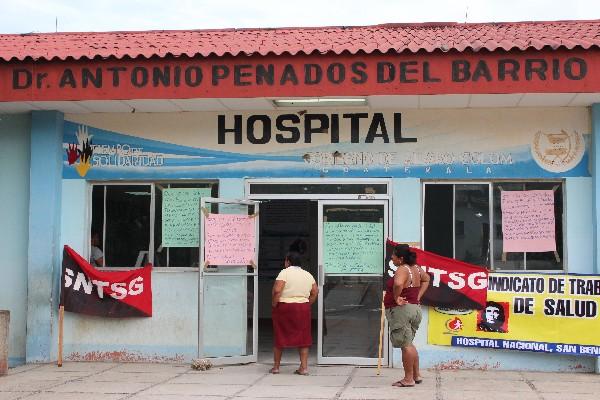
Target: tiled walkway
x,y
112,381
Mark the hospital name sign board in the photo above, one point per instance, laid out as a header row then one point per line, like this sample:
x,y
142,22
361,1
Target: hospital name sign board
x,y
301,76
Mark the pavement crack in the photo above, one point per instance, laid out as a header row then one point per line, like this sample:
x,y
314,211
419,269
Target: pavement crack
x,y
338,394
532,386
439,395
27,369
63,382
260,378
130,395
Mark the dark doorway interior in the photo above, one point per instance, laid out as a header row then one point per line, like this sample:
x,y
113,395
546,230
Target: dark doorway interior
x,y
284,224
438,219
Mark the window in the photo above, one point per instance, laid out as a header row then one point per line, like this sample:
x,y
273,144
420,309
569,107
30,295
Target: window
x,y
529,261
460,218
128,219
318,188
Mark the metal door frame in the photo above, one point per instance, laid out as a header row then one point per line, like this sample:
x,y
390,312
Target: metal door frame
x,y
228,359
321,280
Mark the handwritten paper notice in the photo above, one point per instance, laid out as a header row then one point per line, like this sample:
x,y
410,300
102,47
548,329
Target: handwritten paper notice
x,y
528,221
181,216
353,247
229,239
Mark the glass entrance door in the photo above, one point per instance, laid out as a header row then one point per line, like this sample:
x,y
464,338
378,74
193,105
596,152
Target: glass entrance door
x,y
351,259
228,281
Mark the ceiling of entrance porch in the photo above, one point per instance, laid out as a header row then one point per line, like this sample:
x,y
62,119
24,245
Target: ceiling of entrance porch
x,y
266,104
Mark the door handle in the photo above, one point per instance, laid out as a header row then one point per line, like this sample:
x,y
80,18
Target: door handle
x,y
321,277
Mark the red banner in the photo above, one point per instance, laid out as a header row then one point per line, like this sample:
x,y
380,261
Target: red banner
x,y
116,294
454,284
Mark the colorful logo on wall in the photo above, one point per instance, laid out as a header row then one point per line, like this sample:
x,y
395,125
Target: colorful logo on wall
x,y
558,152
80,153
455,324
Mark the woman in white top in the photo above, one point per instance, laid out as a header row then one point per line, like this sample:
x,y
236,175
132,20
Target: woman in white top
x,y
293,293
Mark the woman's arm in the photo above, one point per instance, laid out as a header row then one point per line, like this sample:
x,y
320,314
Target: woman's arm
x,y
424,283
314,291
276,293
399,282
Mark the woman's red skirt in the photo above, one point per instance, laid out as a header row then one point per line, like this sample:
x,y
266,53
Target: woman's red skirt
x,y
291,325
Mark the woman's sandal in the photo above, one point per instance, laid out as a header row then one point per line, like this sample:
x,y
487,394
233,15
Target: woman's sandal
x,y
401,384
274,371
298,372
418,381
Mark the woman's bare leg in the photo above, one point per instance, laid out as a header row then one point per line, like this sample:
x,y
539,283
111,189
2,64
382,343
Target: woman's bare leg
x,y
409,355
416,372
277,352
303,352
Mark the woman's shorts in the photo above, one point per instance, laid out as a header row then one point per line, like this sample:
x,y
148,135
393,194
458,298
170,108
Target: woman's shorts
x,y
403,322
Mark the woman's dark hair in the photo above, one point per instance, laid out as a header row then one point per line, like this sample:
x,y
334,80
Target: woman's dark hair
x,y
403,251
95,234
294,258
299,246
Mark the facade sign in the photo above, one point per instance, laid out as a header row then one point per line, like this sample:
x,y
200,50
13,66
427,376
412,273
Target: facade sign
x,y
532,312
553,71
440,144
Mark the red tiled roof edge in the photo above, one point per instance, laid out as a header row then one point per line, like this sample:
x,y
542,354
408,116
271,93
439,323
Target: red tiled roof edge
x,y
429,37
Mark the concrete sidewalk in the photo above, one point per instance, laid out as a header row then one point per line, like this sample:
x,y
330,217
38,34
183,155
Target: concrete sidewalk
x,y
113,381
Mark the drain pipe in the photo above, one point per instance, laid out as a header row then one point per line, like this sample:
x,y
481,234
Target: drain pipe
x,y
595,170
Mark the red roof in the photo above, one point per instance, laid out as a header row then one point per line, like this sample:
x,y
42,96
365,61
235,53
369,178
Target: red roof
x,y
427,37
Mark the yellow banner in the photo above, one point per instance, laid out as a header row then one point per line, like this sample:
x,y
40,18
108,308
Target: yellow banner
x,y
531,312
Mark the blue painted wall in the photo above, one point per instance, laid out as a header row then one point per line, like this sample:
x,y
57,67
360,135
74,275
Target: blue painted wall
x,y
14,197
44,234
231,188
580,232
74,221
406,210
170,335
595,169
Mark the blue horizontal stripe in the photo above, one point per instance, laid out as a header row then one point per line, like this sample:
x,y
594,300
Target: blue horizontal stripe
x,y
523,345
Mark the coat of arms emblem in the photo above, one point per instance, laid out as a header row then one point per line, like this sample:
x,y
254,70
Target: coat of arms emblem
x,y
558,152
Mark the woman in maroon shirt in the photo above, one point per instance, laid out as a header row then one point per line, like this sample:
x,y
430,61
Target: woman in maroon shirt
x,y
402,310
